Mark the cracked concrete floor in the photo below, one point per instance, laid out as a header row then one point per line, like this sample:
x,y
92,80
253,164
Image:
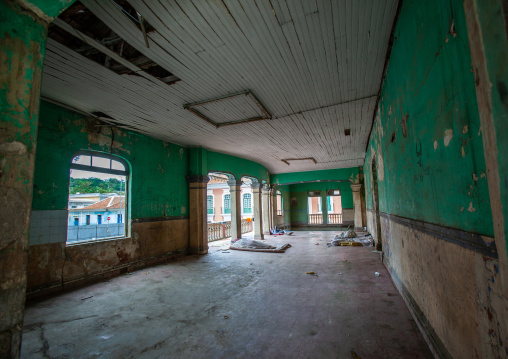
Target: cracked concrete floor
x,y
234,304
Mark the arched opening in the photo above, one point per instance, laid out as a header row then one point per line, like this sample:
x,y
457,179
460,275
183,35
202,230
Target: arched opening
x,y
98,203
375,203
219,205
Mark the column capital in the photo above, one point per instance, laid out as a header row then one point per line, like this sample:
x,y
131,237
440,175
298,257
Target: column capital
x,y
235,183
197,179
356,187
256,185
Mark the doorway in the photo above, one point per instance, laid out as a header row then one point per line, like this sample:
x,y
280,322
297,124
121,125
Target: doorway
x,y
334,205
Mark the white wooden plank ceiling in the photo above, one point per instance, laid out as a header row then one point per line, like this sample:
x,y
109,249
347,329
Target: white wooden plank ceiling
x,y
316,66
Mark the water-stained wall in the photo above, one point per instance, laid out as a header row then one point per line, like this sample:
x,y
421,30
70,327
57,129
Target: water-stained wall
x,y
434,213
158,201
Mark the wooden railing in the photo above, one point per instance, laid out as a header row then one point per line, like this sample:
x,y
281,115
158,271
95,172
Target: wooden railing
x,y
218,231
334,218
315,219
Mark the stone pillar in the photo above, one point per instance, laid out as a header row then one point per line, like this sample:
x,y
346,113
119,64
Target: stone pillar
x,y
198,231
21,55
265,208
258,210
236,210
273,209
357,202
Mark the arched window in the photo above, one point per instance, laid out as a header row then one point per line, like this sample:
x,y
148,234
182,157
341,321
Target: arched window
x,y
227,204
279,203
209,204
98,203
247,203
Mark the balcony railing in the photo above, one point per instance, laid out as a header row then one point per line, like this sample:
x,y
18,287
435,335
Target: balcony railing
x,y
316,218
334,218
246,226
218,231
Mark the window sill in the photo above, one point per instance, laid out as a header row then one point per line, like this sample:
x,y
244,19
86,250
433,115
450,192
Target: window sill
x,y
92,241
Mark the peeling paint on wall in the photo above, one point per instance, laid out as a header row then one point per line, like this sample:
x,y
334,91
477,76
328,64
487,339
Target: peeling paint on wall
x,y
429,79
158,186
448,137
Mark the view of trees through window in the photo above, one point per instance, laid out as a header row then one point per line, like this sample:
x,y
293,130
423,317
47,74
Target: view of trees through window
x,y
97,200
96,185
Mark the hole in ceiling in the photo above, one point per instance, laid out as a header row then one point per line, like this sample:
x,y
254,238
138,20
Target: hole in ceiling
x,y
347,132
83,20
102,115
134,16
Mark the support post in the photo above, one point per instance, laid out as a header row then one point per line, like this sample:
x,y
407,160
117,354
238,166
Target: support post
x,y
273,208
266,211
236,210
258,210
357,202
23,37
198,233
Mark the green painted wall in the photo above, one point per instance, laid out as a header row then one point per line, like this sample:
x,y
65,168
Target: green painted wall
x,y
426,137
350,174
220,162
198,161
299,191
52,8
158,169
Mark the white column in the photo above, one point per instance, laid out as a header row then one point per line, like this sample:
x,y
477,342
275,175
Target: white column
x,y
258,210
265,208
357,203
236,210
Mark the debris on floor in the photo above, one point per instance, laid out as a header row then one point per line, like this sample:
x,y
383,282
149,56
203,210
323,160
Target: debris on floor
x,y
311,273
350,238
354,355
278,232
243,244
350,244
377,274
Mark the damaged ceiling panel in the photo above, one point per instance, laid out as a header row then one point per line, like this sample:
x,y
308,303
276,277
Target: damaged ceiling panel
x,y
315,66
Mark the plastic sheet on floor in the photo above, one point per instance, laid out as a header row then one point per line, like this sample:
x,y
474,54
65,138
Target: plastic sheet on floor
x,y
257,246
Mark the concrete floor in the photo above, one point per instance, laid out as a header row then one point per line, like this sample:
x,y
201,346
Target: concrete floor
x,y
234,304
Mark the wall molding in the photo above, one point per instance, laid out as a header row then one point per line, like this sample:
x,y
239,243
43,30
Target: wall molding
x,y
158,219
472,241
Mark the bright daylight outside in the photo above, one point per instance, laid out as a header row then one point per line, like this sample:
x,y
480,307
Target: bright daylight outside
x,y
97,198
